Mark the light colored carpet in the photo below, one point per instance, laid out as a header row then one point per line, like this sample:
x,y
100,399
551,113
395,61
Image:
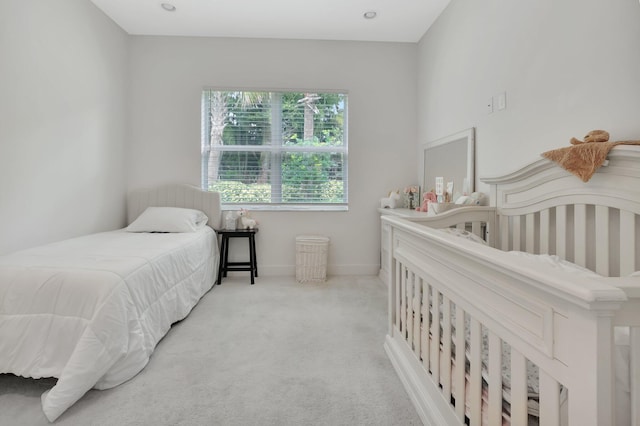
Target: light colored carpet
x,y
276,353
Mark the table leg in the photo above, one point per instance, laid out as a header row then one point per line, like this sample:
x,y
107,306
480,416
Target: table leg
x,y
252,257
222,263
226,256
255,255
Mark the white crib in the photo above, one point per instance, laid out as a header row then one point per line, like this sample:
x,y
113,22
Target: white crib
x,y
550,329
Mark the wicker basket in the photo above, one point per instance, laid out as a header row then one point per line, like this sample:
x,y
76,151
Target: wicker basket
x,y
311,258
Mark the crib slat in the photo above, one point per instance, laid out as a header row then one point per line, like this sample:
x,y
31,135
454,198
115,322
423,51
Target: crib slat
x,y
504,232
392,300
435,336
417,316
475,373
424,328
515,233
544,231
580,234
627,243
403,303
518,388
398,285
530,233
409,318
495,379
446,347
561,232
549,400
602,240
476,229
461,226
634,355
459,379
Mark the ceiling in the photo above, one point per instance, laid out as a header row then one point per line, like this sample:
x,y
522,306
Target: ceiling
x,y
396,20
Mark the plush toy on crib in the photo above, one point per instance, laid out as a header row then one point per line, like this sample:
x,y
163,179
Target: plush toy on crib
x,y
245,221
592,136
427,197
392,201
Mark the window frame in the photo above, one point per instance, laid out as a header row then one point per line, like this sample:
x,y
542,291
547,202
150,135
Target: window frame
x,y
276,149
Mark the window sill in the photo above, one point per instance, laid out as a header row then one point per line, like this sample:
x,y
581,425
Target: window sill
x,y
287,208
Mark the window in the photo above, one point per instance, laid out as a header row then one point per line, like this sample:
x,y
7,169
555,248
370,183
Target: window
x,y
286,149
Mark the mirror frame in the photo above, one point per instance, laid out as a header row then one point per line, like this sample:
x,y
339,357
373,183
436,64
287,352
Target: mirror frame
x,y
468,137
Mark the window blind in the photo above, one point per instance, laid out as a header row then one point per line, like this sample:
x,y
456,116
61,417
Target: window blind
x,y
275,148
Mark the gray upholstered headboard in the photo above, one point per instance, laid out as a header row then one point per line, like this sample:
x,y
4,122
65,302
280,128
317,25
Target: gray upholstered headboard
x,y
176,195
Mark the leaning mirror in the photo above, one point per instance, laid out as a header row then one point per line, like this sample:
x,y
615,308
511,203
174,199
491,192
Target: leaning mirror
x,y
453,158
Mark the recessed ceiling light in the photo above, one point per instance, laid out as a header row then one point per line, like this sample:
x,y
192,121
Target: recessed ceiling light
x,y
168,7
370,15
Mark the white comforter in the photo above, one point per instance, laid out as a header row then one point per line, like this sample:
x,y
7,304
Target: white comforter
x,y
90,310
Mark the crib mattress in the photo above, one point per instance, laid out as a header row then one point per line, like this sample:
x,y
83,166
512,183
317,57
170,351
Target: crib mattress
x,y
90,310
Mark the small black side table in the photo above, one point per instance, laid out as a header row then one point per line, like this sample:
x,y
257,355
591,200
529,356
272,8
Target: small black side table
x,y
225,265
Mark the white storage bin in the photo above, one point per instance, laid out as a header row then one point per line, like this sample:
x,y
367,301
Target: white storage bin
x,y
311,258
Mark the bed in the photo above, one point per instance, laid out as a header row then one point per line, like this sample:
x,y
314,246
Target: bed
x,y
550,307
89,311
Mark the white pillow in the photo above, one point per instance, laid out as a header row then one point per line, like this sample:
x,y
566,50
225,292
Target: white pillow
x,y
168,219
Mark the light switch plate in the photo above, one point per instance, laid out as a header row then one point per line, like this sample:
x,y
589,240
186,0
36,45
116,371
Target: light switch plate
x,y
502,101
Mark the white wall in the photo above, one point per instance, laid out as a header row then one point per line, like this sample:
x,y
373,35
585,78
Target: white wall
x,y
567,66
62,121
167,78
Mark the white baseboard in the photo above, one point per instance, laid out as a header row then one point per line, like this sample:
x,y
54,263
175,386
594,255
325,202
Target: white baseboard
x,y
382,274
368,270
290,270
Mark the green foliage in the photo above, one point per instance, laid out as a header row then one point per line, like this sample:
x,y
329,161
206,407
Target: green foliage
x,y
328,122
240,166
333,191
238,192
305,175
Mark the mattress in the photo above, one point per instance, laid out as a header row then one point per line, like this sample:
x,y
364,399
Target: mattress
x,y
90,310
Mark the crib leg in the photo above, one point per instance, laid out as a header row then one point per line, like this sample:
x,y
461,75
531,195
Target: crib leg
x,y
591,395
634,355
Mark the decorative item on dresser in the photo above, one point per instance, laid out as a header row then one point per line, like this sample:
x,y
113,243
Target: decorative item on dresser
x,y
411,196
392,201
511,331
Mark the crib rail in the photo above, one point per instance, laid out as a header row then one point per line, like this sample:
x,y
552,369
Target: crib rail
x,y
544,209
479,220
594,236
461,313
